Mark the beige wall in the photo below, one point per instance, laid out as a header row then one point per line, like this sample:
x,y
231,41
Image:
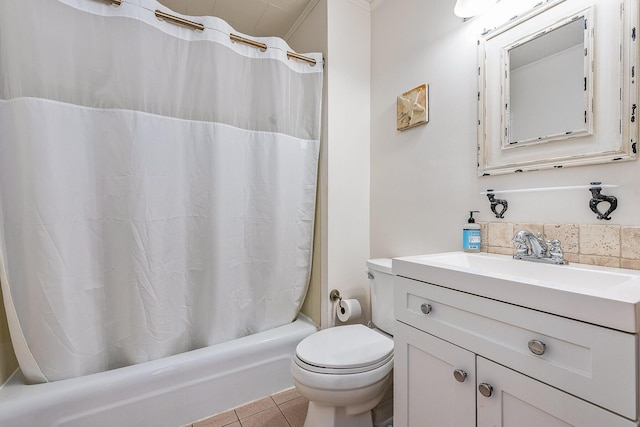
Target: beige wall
x,y
311,36
8,362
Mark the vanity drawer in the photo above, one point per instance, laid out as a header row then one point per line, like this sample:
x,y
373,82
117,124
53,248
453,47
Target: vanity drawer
x,y
588,361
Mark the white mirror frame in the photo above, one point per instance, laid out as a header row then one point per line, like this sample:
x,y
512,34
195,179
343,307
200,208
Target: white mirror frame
x,y
612,131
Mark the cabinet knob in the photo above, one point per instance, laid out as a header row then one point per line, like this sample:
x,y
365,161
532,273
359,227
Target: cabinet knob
x,y
537,347
485,389
460,375
425,308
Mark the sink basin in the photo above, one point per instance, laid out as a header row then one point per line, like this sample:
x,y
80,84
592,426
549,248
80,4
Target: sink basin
x,y
600,295
571,276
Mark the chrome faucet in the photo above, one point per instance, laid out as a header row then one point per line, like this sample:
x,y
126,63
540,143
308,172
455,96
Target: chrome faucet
x,y
533,247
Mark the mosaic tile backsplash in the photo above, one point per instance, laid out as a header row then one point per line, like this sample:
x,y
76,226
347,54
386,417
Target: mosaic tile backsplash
x,y
604,245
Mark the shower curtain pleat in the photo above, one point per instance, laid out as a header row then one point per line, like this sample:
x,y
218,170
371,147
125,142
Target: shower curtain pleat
x,y
157,184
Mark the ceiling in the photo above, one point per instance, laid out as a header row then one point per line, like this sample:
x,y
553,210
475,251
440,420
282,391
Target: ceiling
x,y
258,18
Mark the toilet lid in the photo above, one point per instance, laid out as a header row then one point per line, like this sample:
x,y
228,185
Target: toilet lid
x,y
345,347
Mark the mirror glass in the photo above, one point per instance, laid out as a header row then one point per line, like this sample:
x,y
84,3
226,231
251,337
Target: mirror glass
x,y
547,85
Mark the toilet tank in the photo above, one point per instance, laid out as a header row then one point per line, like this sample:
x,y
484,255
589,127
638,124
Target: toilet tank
x,y
381,286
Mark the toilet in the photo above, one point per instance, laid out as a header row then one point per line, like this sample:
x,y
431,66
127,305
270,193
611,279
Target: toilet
x,y
346,371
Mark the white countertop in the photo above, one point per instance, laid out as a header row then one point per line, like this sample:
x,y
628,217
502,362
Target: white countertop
x,y
603,296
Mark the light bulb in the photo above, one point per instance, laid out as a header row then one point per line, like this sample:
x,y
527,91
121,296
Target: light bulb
x,y
471,8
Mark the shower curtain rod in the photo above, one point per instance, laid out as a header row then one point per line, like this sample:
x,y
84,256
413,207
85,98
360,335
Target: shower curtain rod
x,y
237,38
197,26
263,46
180,21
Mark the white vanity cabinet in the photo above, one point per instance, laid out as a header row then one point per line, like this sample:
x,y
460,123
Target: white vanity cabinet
x,y
466,360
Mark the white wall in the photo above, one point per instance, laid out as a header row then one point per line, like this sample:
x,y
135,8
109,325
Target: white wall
x,y
341,29
423,180
348,85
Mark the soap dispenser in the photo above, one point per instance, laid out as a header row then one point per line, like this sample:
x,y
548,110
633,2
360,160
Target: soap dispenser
x,y
471,235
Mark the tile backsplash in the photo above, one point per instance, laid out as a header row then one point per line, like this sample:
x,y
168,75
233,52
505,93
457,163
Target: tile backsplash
x,y
605,245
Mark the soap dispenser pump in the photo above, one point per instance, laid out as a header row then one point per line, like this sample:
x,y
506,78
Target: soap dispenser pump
x,y
471,237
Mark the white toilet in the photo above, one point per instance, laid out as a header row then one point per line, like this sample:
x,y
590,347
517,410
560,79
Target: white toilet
x,y
346,371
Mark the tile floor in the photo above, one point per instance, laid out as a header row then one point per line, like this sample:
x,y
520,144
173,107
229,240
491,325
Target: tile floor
x,y
284,409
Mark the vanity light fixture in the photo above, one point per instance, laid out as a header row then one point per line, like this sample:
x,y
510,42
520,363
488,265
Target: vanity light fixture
x,y
469,8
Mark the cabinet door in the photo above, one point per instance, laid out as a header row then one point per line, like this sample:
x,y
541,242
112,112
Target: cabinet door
x,y
434,381
516,400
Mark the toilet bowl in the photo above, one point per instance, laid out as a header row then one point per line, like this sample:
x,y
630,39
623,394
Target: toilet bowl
x,y
346,371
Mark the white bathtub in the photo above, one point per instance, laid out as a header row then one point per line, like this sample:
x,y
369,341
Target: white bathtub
x,y
170,392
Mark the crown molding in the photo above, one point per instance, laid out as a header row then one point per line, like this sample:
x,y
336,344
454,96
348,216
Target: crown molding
x,y
375,3
364,4
367,5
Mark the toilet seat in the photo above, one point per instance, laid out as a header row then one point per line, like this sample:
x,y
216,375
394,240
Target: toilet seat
x,y
349,349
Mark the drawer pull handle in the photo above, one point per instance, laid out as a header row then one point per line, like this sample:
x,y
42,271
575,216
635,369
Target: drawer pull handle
x,y
460,375
537,347
485,389
426,308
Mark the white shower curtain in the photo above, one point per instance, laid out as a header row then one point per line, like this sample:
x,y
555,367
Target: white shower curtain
x,y
157,184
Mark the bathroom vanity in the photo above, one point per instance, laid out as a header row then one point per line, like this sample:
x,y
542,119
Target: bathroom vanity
x,y
486,340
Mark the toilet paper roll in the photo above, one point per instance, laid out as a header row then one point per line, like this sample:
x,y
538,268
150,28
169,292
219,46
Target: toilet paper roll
x,y
349,309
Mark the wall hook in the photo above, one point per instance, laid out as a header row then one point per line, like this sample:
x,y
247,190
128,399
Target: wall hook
x,y
597,198
497,202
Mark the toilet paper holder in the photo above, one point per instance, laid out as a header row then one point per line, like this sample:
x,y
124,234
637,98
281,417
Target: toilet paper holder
x,y
334,296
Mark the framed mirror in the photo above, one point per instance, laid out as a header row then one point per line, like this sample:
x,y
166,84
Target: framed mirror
x,y
557,87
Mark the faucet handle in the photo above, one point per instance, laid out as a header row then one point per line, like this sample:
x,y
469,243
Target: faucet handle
x,y
556,252
522,248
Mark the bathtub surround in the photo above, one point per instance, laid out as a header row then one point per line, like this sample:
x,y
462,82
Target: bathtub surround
x,y
604,245
167,392
148,209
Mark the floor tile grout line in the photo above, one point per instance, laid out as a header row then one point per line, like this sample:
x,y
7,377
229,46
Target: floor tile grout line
x,y
263,410
291,398
283,415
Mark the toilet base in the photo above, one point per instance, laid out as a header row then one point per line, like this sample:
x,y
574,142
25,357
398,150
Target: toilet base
x,y
325,416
